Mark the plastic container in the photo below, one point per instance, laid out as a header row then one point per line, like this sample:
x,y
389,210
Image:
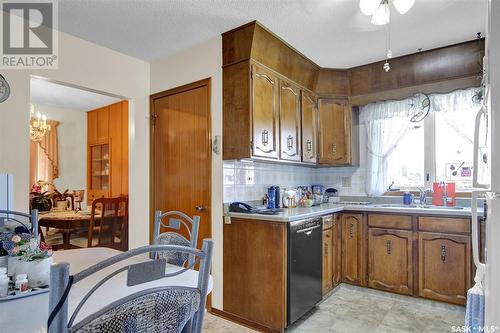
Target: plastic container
x,y
407,198
21,284
4,282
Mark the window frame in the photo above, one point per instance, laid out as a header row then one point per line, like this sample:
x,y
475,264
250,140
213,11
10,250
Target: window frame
x,y
429,160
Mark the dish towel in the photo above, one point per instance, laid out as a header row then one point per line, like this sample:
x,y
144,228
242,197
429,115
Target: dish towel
x,y
474,314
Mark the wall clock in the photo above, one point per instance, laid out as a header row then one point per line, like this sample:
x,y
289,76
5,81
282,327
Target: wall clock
x,y
4,89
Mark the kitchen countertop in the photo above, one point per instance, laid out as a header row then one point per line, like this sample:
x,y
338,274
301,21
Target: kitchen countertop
x,y
300,213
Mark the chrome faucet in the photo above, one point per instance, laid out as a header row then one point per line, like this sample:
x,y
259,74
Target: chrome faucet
x,y
445,196
423,195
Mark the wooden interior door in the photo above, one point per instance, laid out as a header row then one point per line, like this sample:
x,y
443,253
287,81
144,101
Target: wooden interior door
x,y
181,153
289,122
309,128
265,113
334,138
352,248
390,260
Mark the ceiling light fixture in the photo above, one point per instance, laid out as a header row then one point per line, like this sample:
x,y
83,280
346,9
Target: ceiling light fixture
x,y
379,9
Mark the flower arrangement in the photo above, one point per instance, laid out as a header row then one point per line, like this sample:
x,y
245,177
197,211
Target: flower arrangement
x,y
39,185
25,246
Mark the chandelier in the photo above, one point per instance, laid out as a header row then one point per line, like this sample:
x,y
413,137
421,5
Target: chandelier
x,y
38,124
379,9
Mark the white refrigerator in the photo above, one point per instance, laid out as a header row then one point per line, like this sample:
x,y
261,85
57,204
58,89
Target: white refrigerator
x,y
487,169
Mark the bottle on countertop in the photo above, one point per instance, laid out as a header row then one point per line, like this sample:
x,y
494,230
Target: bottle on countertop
x,y
21,284
278,197
4,282
271,197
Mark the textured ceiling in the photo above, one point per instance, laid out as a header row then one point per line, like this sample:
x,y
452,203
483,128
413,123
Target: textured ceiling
x,y
48,93
333,33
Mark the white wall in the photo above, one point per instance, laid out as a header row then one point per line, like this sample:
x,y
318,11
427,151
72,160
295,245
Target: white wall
x,y
83,64
72,146
201,62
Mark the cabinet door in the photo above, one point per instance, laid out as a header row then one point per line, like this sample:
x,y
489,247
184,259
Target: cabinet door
x,y
289,122
265,113
335,132
352,248
444,266
309,132
390,260
255,272
327,260
336,251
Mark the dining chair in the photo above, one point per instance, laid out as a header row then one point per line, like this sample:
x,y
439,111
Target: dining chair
x,y
169,309
175,220
108,226
20,222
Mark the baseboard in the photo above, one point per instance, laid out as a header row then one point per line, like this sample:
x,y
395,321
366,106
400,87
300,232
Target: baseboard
x,y
241,321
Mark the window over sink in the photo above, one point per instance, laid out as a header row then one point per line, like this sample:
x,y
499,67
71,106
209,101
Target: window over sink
x,y
407,155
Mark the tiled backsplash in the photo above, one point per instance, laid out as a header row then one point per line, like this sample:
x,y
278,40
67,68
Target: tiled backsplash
x,y
247,180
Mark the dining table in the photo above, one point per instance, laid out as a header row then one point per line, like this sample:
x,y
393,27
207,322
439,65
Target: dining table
x,y
29,314
66,222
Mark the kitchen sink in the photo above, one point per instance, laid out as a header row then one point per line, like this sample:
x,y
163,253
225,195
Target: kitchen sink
x,y
417,206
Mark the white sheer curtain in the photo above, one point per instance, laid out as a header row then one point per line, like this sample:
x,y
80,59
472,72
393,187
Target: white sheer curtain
x,y
385,124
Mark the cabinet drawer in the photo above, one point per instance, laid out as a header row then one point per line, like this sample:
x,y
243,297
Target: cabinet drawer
x,y
443,224
389,221
327,222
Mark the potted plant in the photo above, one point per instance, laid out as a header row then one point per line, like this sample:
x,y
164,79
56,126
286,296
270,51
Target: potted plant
x,y
41,201
28,255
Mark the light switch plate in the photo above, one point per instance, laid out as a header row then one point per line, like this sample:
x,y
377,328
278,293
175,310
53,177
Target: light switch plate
x,y
227,219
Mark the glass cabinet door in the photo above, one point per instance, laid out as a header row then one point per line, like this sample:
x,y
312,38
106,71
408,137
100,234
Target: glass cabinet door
x,y
99,167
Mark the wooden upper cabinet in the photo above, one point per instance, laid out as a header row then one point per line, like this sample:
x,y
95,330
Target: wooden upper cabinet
x,y
335,121
264,113
444,266
390,260
289,122
309,128
352,249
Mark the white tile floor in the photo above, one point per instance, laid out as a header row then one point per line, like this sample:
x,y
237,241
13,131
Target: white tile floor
x,y
352,309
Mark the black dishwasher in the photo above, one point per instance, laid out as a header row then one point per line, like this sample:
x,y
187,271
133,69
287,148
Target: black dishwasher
x,y
304,267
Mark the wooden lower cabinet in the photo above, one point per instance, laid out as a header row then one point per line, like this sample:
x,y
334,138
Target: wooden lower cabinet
x,y
255,259
352,249
444,266
327,260
390,260
336,251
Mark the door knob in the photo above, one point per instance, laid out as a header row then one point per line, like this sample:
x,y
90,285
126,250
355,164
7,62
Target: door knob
x,y
200,208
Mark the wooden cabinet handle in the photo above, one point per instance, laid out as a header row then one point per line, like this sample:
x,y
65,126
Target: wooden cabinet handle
x,y
309,145
389,247
351,230
326,249
289,146
289,142
443,253
265,137
265,77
